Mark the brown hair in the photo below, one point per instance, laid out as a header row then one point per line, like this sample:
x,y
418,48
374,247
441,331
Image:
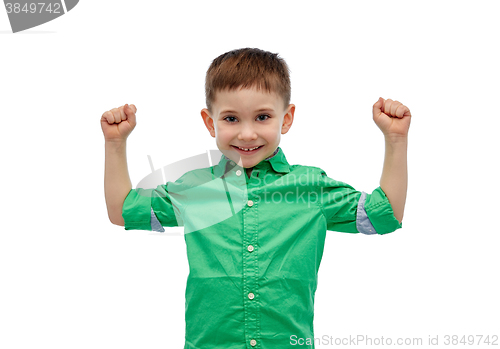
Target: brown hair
x,y
248,67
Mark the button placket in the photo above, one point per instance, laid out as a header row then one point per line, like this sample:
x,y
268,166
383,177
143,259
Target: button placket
x,y
250,272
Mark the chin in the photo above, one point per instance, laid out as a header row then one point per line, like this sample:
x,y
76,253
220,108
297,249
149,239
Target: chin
x,y
250,164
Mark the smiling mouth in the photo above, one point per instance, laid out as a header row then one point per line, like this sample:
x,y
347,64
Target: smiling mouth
x,y
248,149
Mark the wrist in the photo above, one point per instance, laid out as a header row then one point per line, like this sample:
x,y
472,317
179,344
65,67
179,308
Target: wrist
x,y
115,143
396,139
115,147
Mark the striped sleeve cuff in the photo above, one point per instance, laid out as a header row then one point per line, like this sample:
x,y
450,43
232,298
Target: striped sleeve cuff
x,y
155,223
363,223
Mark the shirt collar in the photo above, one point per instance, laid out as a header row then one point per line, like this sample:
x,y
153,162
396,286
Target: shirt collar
x,y
277,161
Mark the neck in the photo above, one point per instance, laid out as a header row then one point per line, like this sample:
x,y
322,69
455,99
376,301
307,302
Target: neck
x,y
249,171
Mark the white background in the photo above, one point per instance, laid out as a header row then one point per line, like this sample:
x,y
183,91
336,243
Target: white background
x,y
71,279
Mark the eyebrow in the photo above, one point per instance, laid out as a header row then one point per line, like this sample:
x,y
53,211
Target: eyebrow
x,y
257,111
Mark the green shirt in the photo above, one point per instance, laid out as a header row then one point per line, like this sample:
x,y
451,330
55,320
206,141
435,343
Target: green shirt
x,y
254,245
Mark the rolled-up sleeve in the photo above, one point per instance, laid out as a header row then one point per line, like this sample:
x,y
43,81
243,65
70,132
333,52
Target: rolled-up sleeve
x,y
350,211
149,209
380,213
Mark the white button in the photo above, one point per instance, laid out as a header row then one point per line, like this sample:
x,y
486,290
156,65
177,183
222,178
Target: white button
x,y
238,173
253,342
232,162
250,248
251,295
250,203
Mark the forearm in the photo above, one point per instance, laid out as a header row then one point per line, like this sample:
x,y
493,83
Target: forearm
x,y
394,180
117,183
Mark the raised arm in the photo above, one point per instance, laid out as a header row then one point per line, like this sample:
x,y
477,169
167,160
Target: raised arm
x,y
117,124
393,119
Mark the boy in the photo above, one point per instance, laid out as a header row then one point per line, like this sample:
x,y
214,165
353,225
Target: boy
x,y
254,225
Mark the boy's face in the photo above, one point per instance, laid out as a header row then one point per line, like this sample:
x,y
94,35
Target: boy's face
x,y
248,118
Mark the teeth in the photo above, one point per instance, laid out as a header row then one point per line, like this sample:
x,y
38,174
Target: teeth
x,y
248,149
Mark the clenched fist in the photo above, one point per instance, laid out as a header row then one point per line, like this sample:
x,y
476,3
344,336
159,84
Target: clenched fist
x,y
392,117
118,123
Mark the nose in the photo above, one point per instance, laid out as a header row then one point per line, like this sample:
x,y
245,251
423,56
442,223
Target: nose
x,y
247,133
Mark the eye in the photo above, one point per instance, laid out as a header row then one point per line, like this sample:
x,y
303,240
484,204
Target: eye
x,y
267,117
229,117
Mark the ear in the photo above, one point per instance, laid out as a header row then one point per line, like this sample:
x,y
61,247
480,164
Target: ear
x,y
209,122
288,119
